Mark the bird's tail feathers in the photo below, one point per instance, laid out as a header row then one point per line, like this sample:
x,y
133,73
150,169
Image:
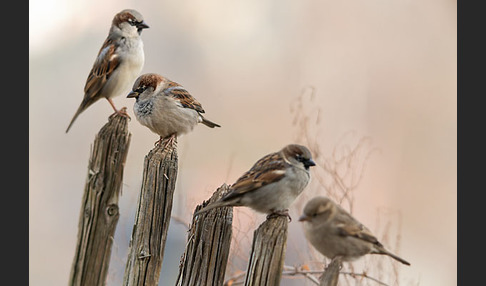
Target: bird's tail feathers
x,y
386,252
212,206
81,108
209,123
399,259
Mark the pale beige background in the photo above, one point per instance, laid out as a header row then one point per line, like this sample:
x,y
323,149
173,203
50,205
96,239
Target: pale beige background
x,y
383,69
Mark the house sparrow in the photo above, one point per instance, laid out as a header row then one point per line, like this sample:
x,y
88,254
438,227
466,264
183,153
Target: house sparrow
x,y
272,184
119,61
334,232
165,107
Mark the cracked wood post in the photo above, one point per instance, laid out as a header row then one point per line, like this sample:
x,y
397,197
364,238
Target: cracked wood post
x,y
206,255
99,208
268,252
330,276
149,234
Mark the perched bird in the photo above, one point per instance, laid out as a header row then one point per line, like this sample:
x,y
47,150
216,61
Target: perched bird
x,y
165,107
272,184
334,232
119,61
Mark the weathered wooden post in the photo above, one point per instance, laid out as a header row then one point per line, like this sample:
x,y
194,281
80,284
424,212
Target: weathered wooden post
x,y
99,209
208,243
146,248
268,253
330,276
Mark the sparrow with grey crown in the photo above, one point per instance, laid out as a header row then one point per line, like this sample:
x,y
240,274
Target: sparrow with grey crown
x,y
165,107
119,62
272,184
335,233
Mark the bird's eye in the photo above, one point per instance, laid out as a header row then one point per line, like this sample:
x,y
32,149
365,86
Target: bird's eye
x,y
132,22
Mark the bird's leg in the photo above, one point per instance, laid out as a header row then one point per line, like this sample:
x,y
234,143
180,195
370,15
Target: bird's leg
x,y
277,213
122,112
170,140
158,141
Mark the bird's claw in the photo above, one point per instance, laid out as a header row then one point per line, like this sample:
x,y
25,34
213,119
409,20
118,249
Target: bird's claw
x,y
275,214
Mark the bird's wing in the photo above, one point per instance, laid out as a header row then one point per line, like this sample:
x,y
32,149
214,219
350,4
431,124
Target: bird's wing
x,y
269,169
183,97
102,69
351,227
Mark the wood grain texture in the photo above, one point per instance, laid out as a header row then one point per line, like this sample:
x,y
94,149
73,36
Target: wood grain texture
x,y
99,208
152,218
268,253
209,238
330,276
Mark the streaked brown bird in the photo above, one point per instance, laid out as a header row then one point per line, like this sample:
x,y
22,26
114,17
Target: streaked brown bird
x,y
272,184
119,62
334,232
166,107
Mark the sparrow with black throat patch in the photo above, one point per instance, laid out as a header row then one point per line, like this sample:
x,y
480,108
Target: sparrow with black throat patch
x,y
272,184
166,107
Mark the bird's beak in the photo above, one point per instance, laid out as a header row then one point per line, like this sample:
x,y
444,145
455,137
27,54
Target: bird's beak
x,y
133,94
142,25
310,163
303,218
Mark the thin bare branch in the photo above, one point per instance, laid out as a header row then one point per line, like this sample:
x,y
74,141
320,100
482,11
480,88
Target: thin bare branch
x,y
306,274
364,275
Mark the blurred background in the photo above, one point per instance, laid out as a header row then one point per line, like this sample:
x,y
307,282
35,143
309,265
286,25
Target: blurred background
x,y
320,73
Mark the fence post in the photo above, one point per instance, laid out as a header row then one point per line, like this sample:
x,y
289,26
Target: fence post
x,y
268,253
206,255
330,276
99,208
152,218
